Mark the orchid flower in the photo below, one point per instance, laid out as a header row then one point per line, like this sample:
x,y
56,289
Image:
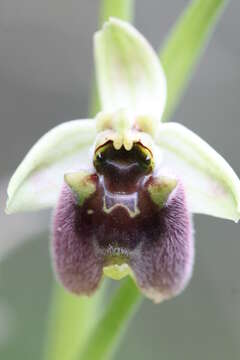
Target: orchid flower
x,y
124,185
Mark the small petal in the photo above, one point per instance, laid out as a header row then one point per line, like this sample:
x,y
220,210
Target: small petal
x,y
163,264
160,190
75,261
82,185
211,185
38,179
129,73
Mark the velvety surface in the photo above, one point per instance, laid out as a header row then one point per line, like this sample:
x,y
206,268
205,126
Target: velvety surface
x,y
119,223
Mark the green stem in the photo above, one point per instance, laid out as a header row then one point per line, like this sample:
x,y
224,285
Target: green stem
x,y
110,328
71,320
122,9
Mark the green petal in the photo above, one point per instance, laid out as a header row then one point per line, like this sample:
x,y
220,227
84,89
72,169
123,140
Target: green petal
x,y
211,185
129,73
160,189
38,179
81,184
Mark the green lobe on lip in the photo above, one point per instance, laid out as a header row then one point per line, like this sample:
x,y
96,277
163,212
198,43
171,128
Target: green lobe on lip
x,y
116,272
81,184
160,190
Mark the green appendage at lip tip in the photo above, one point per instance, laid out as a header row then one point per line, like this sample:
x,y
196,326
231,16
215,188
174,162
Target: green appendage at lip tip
x,y
81,184
160,190
117,271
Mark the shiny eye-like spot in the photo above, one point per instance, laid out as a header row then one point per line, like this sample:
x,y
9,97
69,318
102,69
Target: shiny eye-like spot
x,y
100,156
145,157
148,161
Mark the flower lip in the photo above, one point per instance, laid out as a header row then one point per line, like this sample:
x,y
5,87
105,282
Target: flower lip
x,y
155,247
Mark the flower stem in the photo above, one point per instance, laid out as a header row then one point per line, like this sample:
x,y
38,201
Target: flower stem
x,y
122,9
71,319
108,332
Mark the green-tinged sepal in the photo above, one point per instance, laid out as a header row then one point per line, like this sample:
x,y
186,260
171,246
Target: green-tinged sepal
x,y
38,180
129,73
160,189
81,184
211,185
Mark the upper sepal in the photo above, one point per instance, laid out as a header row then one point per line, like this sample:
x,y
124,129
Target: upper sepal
x,y
211,185
37,181
129,72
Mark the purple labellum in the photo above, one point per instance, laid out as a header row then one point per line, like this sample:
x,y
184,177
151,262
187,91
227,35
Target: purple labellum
x,y
77,265
131,218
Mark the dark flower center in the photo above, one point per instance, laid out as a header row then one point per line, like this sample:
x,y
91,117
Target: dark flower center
x,y
120,214
123,169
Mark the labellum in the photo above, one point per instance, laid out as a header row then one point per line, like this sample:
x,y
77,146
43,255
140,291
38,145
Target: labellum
x,y
121,219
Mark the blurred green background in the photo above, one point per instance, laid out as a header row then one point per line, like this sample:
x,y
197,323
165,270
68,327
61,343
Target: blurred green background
x,y
46,67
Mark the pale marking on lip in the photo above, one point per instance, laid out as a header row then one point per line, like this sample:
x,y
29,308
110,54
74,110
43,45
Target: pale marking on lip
x,y
126,201
90,211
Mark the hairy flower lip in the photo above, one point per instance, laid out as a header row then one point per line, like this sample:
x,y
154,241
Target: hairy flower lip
x,y
157,249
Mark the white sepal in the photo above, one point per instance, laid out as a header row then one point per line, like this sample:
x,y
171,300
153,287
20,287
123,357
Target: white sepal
x,y
38,179
211,185
129,72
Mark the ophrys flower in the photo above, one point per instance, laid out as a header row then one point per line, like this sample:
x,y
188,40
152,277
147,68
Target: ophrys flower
x,y
124,185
